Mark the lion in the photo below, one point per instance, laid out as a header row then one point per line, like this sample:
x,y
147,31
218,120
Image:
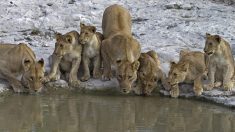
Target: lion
x,y
119,48
191,68
149,73
66,58
91,41
220,62
18,60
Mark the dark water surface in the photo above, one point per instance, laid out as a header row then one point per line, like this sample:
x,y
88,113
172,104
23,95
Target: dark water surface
x,y
71,112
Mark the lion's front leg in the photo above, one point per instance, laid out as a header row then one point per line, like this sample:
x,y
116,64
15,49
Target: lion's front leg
x,y
174,92
211,76
54,72
227,76
96,70
107,74
73,79
198,86
85,63
14,83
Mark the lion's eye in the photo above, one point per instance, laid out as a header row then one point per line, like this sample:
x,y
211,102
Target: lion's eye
x,y
31,78
129,77
61,46
143,74
155,79
86,33
210,44
175,74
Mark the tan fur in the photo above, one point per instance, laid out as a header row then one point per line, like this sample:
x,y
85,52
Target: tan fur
x,y
91,41
190,69
220,62
66,58
149,73
119,48
19,60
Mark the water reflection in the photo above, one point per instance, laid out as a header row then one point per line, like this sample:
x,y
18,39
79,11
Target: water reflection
x,y
90,113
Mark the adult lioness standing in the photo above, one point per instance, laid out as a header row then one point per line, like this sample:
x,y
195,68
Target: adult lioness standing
x,y
119,48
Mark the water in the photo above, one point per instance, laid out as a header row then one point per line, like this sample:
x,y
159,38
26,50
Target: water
x,y
69,112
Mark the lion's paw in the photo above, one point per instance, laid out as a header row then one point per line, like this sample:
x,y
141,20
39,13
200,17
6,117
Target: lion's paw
x,y
174,92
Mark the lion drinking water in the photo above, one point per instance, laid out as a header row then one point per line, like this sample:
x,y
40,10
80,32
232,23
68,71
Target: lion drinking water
x,y
149,73
191,68
20,60
119,48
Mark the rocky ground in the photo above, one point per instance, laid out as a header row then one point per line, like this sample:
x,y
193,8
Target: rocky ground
x,y
166,26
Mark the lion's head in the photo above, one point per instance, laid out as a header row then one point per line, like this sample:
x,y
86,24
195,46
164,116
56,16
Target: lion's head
x,y
64,43
178,72
148,73
212,44
127,74
33,76
86,33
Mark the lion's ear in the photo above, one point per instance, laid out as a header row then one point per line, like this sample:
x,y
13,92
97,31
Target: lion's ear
x,y
183,52
82,25
26,64
69,39
41,62
217,38
172,63
135,65
93,29
208,35
58,36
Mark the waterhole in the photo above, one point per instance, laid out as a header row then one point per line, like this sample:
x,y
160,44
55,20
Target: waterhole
x,y
72,112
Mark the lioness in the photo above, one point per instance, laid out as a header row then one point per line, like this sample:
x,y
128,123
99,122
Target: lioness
x,y
220,62
19,60
191,68
91,41
149,73
66,58
119,48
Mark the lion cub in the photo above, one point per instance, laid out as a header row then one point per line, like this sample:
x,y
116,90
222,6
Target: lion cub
x,y
91,41
66,58
149,73
119,48
20,60
220,62
191,68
